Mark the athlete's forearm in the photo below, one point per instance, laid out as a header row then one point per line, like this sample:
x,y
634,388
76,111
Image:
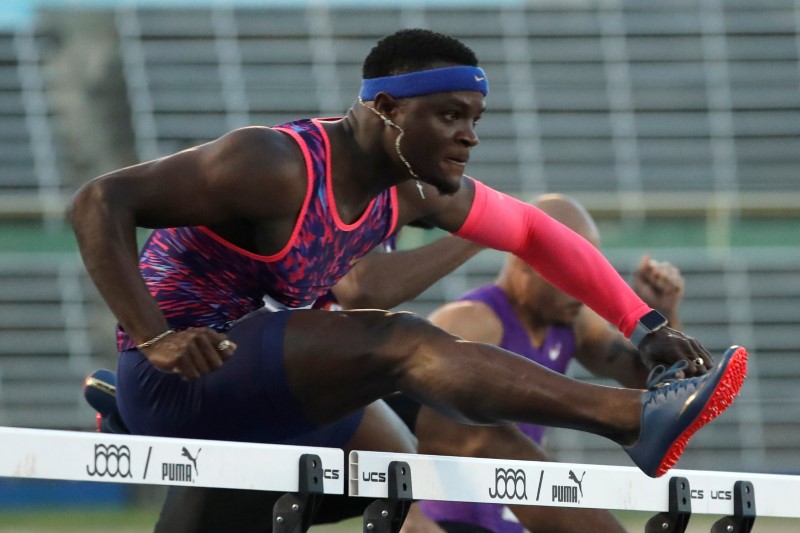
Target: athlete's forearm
x,y
563,257
106,235
617,359
384,280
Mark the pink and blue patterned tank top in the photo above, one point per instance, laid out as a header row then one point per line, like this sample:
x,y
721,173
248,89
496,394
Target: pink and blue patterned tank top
x,y
555,353
200,279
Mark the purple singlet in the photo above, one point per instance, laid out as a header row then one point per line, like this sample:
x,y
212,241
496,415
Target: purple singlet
x,y
555,354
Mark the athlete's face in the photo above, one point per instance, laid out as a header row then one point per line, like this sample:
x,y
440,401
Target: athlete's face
x,y
547,304
439,135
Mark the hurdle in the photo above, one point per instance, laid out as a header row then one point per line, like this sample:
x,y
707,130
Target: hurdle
x,y
304,474
398,478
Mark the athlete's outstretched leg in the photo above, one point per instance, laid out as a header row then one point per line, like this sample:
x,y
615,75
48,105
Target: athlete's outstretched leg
x,y
336,362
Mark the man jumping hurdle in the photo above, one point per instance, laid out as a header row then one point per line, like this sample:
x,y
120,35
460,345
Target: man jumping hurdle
x,y
281,213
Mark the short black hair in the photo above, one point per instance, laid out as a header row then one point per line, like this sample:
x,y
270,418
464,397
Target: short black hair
x,y
412,50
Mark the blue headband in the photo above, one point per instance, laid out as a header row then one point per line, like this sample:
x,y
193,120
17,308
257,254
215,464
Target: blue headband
x,y
438,80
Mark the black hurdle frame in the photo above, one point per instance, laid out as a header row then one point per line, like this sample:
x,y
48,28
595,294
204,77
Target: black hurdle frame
x,y
387,515
294,511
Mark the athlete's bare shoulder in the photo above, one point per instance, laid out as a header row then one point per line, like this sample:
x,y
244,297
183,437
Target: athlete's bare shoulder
x,y
255,164
263,148
471,320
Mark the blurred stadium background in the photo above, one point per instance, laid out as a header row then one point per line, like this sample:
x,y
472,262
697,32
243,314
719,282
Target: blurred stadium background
x,y
676,123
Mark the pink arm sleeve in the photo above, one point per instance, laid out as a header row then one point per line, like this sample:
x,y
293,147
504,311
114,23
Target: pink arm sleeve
x,y
560,255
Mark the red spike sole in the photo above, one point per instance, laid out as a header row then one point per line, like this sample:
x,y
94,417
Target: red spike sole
x,y
726,390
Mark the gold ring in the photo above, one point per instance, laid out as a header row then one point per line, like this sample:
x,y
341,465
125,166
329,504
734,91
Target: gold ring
x,y
224,345
699,361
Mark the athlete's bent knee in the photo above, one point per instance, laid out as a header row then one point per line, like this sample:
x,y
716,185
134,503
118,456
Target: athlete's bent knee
x,y
402,335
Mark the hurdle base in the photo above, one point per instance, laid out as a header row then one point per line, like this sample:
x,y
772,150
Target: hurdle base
x,y
677,517
744,511
388,515
294,512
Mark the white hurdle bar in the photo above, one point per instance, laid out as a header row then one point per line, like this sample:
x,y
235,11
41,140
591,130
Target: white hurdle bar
x,y
101,457
566,484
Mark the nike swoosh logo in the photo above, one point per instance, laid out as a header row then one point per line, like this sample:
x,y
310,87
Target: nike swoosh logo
x,y
478,78
554,352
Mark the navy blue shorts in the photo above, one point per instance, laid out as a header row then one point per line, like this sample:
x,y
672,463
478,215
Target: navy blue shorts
x,y
247,399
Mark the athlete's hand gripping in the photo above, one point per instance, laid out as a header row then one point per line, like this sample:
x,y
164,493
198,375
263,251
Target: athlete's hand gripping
x,y
667,346
191,353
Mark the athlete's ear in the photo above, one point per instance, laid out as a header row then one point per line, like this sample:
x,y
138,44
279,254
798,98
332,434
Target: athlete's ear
x,y
387,105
